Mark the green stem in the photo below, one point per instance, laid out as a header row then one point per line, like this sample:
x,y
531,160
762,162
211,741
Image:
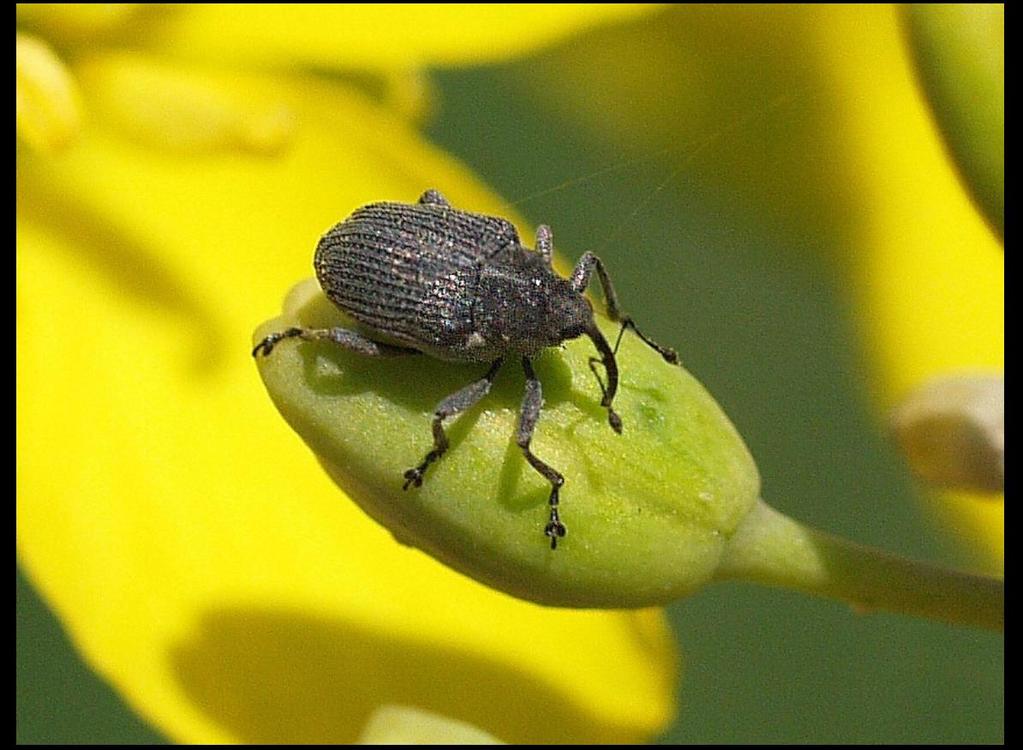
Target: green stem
x,y
772,549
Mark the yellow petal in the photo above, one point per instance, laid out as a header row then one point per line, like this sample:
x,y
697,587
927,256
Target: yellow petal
x,y
195,551
47,108
173,108
930,276
410,93
371,36
73,22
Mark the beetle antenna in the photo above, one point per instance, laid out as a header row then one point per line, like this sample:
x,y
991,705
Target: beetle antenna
x,y
670,355
607,358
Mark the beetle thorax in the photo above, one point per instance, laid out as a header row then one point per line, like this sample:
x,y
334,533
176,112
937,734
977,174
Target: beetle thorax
x,y
525,309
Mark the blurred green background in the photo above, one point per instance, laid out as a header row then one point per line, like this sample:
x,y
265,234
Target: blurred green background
x,y
755,297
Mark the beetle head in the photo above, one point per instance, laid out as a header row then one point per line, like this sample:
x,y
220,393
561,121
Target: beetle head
x,y
572,312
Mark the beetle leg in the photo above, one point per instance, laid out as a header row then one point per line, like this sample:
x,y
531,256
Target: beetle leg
x,y
433,198
607,358
579,281
545,243
454,404
605,399
532,402
350,340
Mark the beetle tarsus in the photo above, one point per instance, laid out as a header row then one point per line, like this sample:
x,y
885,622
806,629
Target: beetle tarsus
x,y
414,477
614,420
554,529
267,345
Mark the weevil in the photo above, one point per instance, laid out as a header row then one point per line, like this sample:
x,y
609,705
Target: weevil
x,y
427,278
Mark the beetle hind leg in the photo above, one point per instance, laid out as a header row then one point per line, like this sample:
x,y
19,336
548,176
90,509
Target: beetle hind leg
x,y
454,404
346,339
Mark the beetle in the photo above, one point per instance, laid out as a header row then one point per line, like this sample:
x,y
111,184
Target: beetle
x,y
427,278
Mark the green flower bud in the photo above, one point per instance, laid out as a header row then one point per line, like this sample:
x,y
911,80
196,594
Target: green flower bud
x,y
960,56
649,512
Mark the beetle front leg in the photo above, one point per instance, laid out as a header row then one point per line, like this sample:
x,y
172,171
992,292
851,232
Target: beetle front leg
x,y
453,404
532,402
346,339
580,280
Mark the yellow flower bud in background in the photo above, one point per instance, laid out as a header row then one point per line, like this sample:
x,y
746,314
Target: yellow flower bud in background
x,y
404,725
952,430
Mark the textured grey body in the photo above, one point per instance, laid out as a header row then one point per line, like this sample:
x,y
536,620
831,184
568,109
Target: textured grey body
x,y
456,285
460,286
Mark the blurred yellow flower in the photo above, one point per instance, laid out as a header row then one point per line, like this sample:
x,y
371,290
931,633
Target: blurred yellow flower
x,y
198,556
931,279
821,129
